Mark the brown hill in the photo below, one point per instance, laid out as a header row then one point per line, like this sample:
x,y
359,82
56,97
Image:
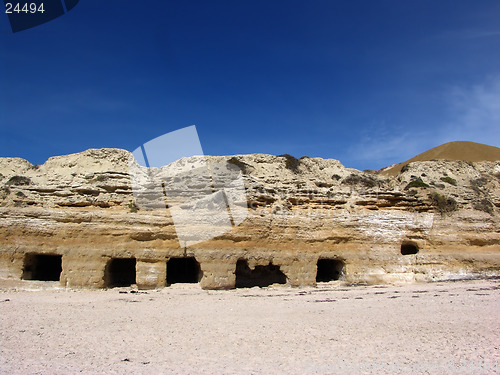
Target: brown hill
x,y
458,150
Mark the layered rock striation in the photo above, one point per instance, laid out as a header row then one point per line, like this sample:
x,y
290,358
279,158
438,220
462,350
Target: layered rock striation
x,y
85,220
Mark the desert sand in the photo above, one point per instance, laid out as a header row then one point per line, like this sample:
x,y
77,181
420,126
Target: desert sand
x,y
434,328
457,150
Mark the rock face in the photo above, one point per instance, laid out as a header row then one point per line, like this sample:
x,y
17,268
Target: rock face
x,y
76,219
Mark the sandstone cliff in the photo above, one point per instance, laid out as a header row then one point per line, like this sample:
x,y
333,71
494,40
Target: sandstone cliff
x,y
434,220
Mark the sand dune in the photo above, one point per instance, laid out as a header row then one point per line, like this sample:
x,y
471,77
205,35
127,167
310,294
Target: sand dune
x,y
458,150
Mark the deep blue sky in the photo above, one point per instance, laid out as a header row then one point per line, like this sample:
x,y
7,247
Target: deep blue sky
x,y
370,83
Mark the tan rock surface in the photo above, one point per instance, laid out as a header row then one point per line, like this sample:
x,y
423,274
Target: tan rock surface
x,y
81,207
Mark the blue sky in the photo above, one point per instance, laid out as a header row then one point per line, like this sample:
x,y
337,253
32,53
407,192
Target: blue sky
x,y
369,83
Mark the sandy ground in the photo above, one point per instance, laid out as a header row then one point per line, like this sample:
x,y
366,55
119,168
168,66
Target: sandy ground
x,y
440,328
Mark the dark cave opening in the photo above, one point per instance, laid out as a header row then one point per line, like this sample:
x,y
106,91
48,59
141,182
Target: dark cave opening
x,y
183,270
120,272
409,248
329,270
261,276
44,267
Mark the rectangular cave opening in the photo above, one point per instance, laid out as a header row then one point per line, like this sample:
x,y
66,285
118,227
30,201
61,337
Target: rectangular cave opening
x,y
43,267
409,248
329,270
183,270
120,272
260,276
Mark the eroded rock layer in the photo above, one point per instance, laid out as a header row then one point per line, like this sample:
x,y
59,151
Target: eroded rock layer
x,y
306,220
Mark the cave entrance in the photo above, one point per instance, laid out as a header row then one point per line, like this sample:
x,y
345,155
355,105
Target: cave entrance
x,y
329,270
409,248
261,276
183,270
120,272
44,267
